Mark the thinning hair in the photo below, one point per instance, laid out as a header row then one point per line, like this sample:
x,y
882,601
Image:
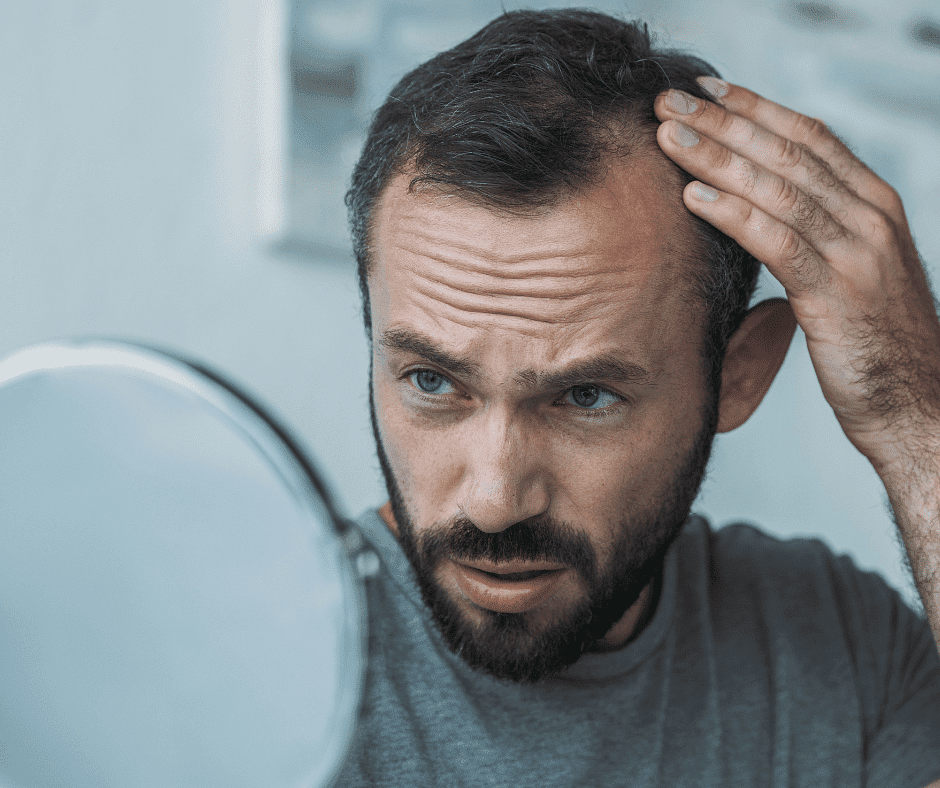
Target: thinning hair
x,y
531,110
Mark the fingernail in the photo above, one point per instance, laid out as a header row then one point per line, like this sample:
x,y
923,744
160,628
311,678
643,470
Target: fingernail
x,y
681,102
684,136
705,193
714,86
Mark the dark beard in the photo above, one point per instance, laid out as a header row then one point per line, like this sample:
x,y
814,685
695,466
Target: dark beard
x,y
504,645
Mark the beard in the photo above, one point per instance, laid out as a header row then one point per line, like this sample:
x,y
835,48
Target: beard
x,y
515,647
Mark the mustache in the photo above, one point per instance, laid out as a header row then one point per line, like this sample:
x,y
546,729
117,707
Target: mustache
x,y
536,539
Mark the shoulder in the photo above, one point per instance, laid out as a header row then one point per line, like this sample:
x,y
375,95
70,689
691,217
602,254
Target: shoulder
x,y
744,542
796,595
791,625
801,600
742,559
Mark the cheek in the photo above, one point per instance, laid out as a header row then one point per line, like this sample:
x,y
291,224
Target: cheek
x,y
397,439
630,473
423,466
609,478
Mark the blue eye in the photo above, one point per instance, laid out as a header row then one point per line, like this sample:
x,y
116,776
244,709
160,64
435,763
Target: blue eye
x,y
429,382
590,397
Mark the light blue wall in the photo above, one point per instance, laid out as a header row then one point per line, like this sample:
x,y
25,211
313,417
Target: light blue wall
x,y
128,182
129,166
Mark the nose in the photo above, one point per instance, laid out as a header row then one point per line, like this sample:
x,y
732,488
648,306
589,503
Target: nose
x,y
505,480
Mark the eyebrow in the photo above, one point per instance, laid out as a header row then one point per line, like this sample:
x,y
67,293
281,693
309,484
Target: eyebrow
x,y
603,367
405,341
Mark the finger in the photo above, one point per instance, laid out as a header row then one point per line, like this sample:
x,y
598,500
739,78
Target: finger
x,y
774,196
792,161
814,134
787,255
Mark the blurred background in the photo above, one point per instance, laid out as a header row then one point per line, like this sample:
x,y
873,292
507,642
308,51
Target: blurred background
x,y
174,173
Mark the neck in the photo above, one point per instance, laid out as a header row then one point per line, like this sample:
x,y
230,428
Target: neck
x,y
633,622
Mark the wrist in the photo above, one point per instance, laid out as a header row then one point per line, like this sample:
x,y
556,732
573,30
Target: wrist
x,y
902,449
909,467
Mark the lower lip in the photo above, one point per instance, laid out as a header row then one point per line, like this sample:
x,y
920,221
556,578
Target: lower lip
x,y
507,596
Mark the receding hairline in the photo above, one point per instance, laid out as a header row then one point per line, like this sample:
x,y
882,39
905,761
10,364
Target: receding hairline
x,y
684,251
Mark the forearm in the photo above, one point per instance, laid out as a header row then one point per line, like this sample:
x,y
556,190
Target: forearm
x,y
912,481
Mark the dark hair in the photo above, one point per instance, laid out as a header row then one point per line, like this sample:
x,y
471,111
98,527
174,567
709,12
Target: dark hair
x,y
530,110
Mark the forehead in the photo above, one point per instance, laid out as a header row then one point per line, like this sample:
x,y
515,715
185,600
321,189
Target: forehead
x,y
603,268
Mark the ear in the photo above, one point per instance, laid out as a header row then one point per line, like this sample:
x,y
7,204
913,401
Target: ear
x,y
754,356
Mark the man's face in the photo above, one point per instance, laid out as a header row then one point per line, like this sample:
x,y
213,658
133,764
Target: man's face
x,y
540,411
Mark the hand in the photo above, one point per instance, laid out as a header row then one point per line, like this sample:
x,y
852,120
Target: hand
x,y
836,237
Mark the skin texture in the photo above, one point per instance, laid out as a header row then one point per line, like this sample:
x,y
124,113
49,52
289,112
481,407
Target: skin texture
x,y
489,306
836,236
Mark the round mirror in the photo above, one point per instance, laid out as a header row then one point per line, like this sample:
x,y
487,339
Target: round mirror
x,y
179,604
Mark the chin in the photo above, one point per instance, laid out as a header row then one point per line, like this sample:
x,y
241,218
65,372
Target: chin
x,y
525,648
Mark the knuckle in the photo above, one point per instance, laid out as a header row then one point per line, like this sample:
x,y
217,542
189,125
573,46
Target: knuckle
x,y
808,169
829,181
811,129
786,246
835,230
807,213
748,175
749,100
892,195
814,221
877,227
790,248
754,222
748,134
787,196
791,154
891,200
803,270
726,123
819,128
725,159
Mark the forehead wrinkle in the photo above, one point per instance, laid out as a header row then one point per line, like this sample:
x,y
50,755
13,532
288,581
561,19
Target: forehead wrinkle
x,y
545,260
561,259
537,287
517,325
514,251
572,308
434,277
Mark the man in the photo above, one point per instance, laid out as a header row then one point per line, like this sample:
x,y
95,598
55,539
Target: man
x,y
556,258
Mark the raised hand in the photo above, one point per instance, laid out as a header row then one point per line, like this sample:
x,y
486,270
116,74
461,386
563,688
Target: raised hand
x,y
835,235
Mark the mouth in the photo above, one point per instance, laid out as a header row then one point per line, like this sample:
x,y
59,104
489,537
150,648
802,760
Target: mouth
x,y
510,569
515,576
513,587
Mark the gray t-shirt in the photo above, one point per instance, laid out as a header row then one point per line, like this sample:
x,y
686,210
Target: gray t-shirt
x,y
766,663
